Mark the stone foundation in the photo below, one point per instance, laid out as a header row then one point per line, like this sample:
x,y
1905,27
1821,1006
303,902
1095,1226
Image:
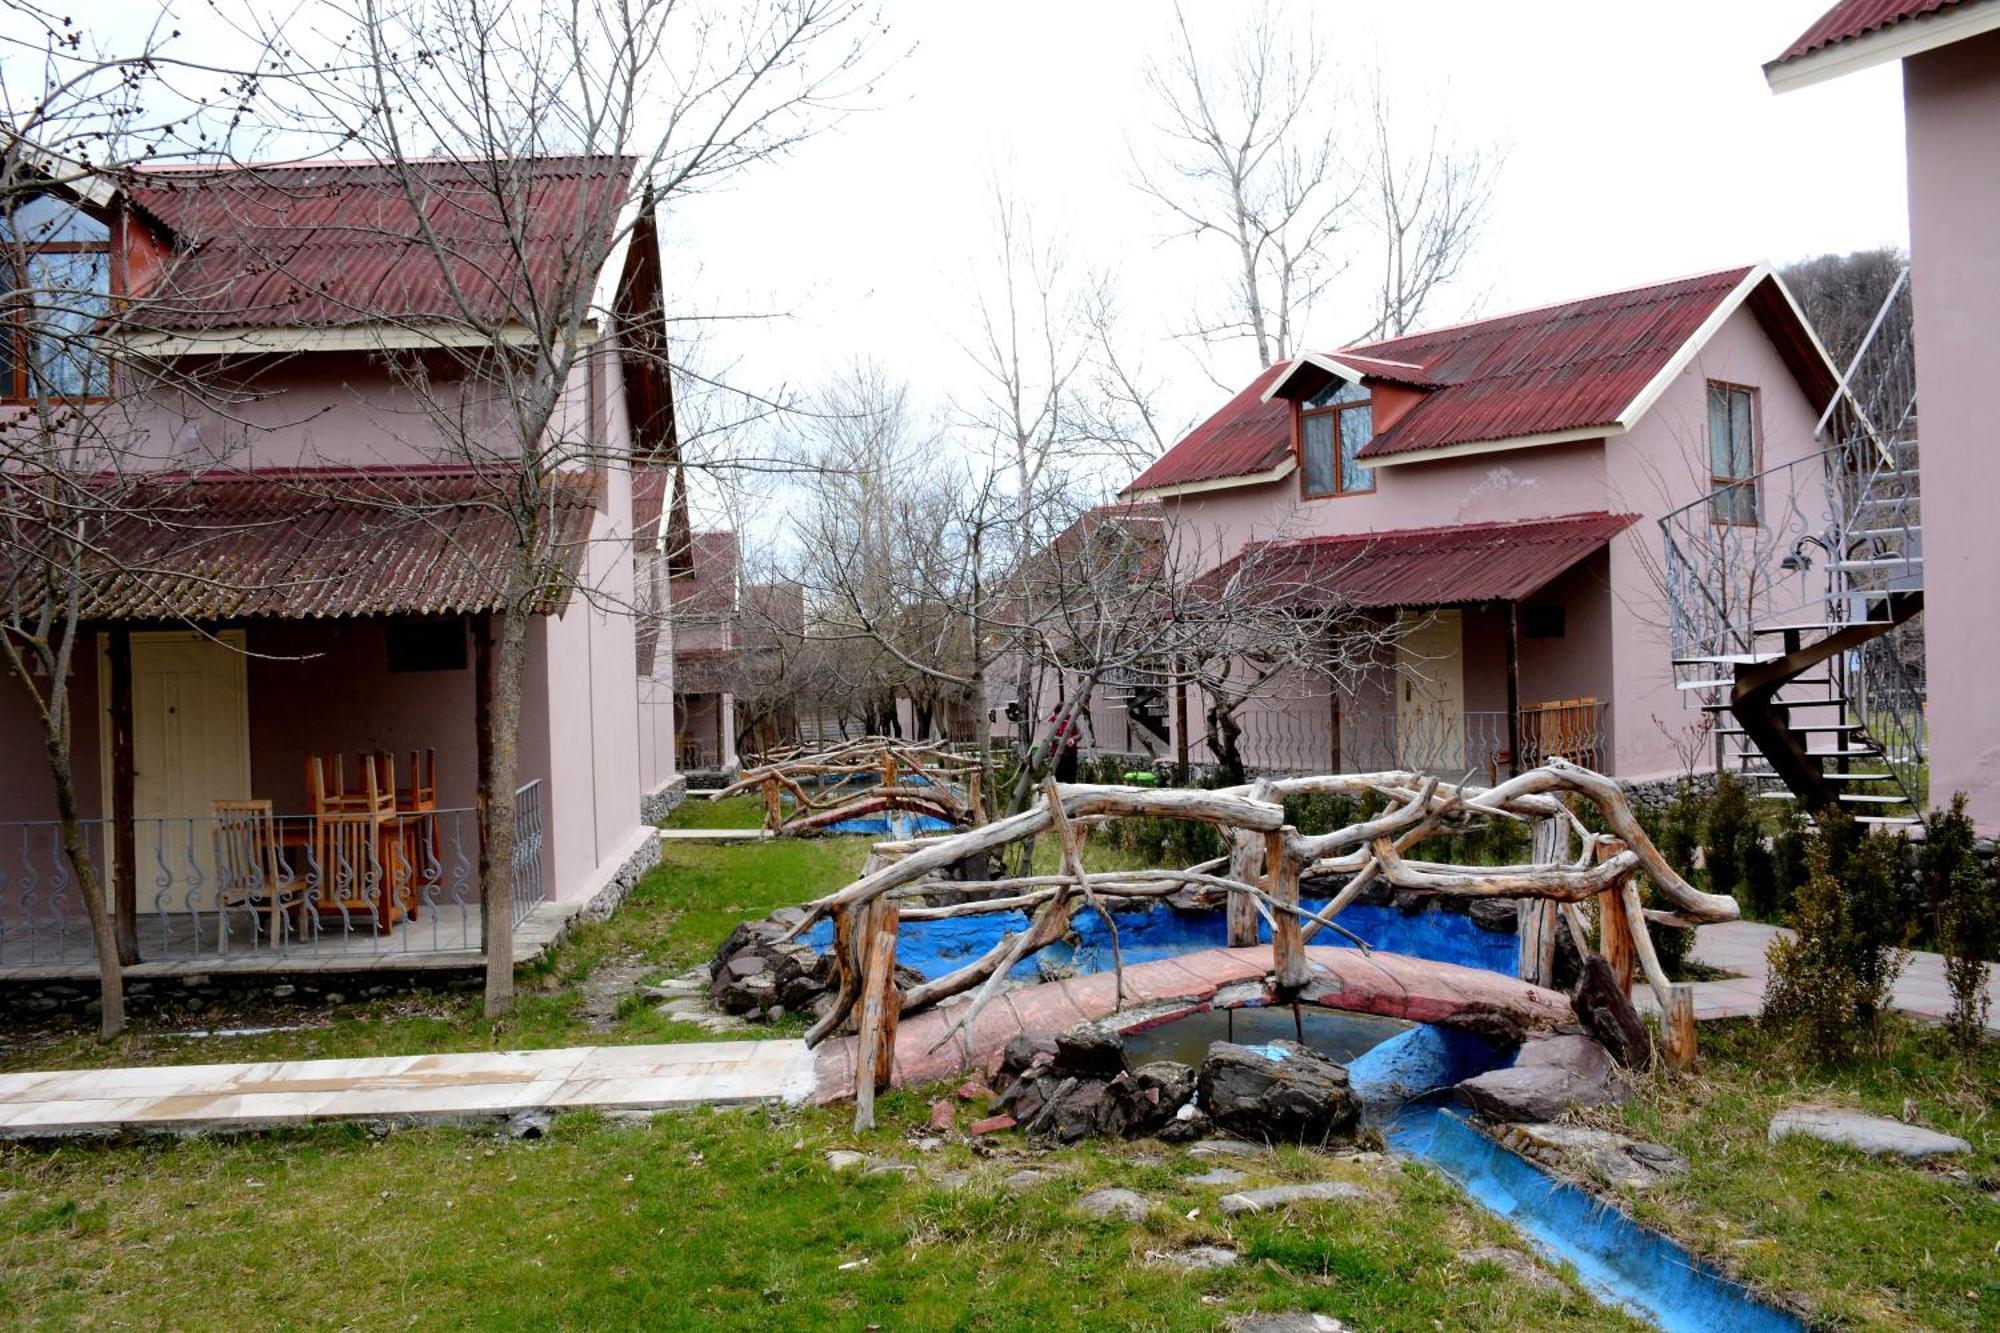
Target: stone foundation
x,y
606,900
656,806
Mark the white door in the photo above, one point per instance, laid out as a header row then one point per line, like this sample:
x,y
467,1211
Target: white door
x,y
190,747
1430,691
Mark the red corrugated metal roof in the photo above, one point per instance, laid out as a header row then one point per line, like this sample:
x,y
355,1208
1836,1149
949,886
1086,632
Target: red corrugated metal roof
x,y
1857,18
1557,368
301,544
709,593
1247,435
339,243
1416,567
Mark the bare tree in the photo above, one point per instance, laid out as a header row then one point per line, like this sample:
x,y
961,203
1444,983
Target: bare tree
x,y
80,463
1428,206
1842,294
1267,150
645,102
1251,160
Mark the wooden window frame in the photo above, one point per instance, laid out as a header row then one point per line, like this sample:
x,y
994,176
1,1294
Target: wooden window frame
x,y
1716,481
1334,411
15,390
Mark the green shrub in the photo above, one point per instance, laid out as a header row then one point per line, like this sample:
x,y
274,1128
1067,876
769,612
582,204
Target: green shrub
x,y
1723,833
1830,980
1788,861
1959,902
1679,829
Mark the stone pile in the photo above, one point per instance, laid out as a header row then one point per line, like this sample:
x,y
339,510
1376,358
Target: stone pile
x,y
1078,1085
760,976
1278,1091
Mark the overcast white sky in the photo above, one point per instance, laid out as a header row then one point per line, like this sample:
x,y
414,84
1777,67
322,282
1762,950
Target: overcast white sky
x,y
1641,141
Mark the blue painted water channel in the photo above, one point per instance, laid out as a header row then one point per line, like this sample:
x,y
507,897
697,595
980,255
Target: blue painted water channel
x,y
937,947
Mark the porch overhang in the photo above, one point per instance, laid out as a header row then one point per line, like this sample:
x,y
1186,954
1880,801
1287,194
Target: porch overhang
x,y
317,544
1417,567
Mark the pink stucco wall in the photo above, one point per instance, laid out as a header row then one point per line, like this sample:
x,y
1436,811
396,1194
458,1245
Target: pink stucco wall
x,y
1951,106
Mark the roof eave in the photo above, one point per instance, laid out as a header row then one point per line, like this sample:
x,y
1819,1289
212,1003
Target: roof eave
x,y
1906,38
1469,447
254,340
1312,360
1282,470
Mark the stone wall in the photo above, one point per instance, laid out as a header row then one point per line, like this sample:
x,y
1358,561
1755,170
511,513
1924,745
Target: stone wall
x,y
654,807
605,901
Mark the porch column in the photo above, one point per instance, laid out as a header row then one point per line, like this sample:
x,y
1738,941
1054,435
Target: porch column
x,y
482,728
124,850
726,723
1513,688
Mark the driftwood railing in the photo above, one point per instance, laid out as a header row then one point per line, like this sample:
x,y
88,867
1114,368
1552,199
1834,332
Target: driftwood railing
x,y
1259,879
855,779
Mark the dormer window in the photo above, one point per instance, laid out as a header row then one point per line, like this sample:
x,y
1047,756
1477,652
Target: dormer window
x,y
55,278
1335,424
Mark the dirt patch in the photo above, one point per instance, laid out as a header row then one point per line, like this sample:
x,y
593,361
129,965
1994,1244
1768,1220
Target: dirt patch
x,y
607,986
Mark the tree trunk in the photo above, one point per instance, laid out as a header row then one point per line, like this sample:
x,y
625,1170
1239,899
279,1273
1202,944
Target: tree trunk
x,y
124,851
502,654
1224,733
76,847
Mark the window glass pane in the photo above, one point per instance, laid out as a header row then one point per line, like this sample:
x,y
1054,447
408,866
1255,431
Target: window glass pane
x,y
1357,427
1339,391
1745,457
1718,431
46,218
1316,438
69,294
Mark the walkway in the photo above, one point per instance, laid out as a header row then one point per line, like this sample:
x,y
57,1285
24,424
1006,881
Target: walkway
x,y
1394,985
1739,947
475,1086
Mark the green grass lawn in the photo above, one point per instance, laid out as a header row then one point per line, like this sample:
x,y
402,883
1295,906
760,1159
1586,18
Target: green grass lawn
x,y
1861,1242
697,811
714,1220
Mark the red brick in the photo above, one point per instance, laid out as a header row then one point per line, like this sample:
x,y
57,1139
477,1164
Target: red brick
x,y
992,1124
973,1090
943,1115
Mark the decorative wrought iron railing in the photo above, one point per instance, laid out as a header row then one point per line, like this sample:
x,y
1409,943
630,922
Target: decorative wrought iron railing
x,y
1299,736
285,886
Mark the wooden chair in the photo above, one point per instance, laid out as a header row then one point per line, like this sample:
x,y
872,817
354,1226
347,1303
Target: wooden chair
x,y
416,826
357,841
249,873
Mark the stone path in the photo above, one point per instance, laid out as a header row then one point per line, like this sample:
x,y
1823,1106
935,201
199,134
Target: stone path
x,y
1739,946
1393,985
412,1088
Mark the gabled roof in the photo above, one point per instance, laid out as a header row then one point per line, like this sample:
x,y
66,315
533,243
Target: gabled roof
x,y
1580,369
709,591
1856,34
320,245
322,543
1418,567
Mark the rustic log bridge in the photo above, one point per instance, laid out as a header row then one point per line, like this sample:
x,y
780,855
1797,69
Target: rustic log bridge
x,y
858,778
1264,868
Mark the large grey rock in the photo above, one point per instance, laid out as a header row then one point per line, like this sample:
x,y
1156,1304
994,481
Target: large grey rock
x,y
1537,1092
1289,1321
1090,1050
1272,1197
1502,916
1596,1154
1581,1055
1606,1013
1875,1135
1195,1258
1126,1205
1278,1091
1229,1148
1159,1090
1218,1177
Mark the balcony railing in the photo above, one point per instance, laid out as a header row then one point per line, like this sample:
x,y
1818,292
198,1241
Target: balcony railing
x,y
210,888
1300,739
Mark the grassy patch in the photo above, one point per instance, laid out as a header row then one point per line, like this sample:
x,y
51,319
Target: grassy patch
x,y
1860,1242
713,1220
675,917
697,811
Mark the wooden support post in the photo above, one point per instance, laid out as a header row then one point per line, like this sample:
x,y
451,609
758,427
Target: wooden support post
x,y
1240,911
773,816
976,798
124,844
1540,918
1677,1039
881,1002
888,767
1513,688
1614,930
1288,950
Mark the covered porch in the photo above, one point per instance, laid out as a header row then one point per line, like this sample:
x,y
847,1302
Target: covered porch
x,y
1500,654
284,768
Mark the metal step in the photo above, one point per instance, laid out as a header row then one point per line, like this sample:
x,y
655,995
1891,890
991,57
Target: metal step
x,y
1889,821
1867,798
1704,684
1885,562
1882,534
1729,659
1819,626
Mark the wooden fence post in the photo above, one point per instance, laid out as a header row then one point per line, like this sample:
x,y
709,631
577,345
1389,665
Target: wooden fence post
x,y
773,821
1538,919
881,1002
1677,1026
1288,950
1614,924
1239,911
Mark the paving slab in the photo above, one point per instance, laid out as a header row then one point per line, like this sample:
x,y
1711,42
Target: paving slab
x,y
442,1088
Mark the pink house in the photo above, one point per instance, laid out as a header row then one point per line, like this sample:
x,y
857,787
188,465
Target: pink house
x,y
1950,56
317,573
1496,486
